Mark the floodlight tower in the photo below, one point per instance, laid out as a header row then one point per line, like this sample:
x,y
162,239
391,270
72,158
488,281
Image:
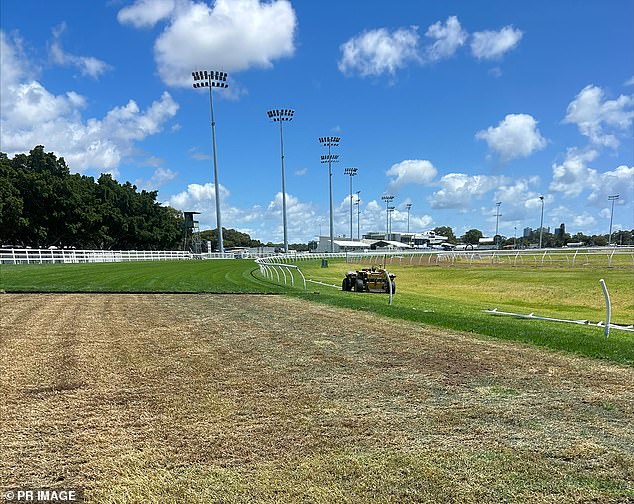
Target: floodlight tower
x,y
497,223
330,158
352,172
358,203
612,199
387,198
541,225
212,79
281,115
409,207
390,212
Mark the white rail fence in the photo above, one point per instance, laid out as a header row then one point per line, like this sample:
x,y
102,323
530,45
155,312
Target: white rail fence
x,y
598,256
70,256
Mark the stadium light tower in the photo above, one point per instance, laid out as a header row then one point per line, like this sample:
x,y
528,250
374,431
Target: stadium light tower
x,y
387,198
390,212
281,115
541,225
612,199
358,203
409,207
497,223
330,158
352,172
211,80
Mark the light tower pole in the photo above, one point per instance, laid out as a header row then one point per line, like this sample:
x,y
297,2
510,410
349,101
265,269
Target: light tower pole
x,y
358,203
390,212
387,198
612,199
541,225
281,115
330,158
497,223
352,172
409,207
211,80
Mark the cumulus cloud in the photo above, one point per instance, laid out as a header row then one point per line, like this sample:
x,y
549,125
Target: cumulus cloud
x,y
573,175
458,190
32,115
233,35
411,171
600,119
515,136
448,37
159,178
376,52
87,65
146,13
494,44
618,181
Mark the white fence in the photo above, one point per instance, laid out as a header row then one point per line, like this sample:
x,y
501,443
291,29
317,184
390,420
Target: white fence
x,y
70,256
596,256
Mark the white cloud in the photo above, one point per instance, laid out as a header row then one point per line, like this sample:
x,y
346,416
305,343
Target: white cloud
x,y
593,114
629,82
584,220
515,136
411,171
458,189
31,115
233,35
573,175
87,65
618,181
301,172
378,51
146,13
160,177
494,44
448,38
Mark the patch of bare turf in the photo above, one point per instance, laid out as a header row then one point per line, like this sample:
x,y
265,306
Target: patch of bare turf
x,y
173,398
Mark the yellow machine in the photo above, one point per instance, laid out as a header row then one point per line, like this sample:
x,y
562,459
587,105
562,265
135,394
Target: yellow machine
x,y
369,280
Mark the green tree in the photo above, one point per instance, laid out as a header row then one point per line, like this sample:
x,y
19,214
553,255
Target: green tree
x,y
446,231
472,236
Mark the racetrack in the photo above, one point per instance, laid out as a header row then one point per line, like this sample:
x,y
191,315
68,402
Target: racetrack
x,y
199,398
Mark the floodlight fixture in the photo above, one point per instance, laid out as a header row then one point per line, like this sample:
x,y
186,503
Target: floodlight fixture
x,y
612,198
281,116
213,79
330,141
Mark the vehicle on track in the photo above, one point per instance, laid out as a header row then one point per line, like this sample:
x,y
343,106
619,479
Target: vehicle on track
x,y
369,280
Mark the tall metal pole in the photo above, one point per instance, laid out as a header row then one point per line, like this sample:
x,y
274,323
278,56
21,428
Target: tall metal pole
x,y
358,203
281,115
330,158
497,224
387,198
541,225
612,199
409,207
352,172
213,79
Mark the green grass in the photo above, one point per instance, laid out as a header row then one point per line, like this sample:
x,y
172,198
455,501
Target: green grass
x,y
452,298
218,276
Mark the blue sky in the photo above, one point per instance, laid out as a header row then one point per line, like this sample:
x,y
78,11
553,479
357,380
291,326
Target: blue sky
x,y
451,106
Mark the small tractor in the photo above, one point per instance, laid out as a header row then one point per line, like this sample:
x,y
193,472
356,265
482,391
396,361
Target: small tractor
x,y
369,280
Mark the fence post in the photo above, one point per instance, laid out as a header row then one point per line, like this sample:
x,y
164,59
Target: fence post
x,y
608,308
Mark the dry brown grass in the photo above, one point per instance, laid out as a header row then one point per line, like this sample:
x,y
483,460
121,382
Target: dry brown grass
x,y
176,398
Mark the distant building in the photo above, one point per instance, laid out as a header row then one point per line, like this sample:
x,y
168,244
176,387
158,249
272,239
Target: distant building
x,y
561,230
527,232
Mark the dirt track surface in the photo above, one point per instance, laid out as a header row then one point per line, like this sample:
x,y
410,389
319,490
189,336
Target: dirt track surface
x,y
118,394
